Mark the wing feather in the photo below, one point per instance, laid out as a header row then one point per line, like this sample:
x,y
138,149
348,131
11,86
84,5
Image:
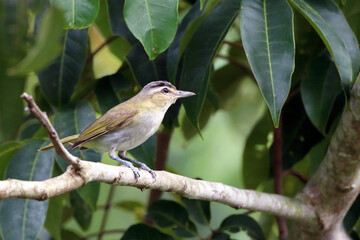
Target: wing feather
x,y
116,118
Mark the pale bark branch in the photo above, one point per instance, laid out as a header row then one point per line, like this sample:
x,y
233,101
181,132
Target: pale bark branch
x,y
81,172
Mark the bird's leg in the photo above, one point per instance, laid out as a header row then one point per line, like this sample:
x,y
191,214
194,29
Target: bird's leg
x,y
112,155
122,155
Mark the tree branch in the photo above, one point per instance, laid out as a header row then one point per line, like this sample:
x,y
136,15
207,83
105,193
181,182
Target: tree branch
x,y
81,172
336,183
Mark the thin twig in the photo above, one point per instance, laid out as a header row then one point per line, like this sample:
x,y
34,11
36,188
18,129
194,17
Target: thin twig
x,y
235,44
44,120
296,174
277,166
106,212
239,64
109,40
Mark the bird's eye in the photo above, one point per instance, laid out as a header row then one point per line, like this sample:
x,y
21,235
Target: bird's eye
x,y
165,90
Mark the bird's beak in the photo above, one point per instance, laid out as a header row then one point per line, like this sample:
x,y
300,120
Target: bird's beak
x,y
183,94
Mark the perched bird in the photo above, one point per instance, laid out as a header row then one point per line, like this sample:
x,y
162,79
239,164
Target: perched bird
x,y
128,124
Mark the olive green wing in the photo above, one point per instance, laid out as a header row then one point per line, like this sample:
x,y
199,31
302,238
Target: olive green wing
x,y
114,119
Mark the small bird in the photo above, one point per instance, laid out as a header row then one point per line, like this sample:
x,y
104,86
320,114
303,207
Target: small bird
x,y
128,124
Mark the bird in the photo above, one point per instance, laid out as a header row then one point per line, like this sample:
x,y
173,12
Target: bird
x,y
128,125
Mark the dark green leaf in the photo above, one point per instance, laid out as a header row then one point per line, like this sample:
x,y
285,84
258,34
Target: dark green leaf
x,y
198,210
73,120
23,218
82,211
117,22
66,234
256,153
78,13
136,208
331,25
144,232
108,90
319,90
171,214
28,129
299,135
354,235
352,216
146,152
55,212
47,44
268,39
220,236
173,51
59,79
7,151
199,54
235,223
157,25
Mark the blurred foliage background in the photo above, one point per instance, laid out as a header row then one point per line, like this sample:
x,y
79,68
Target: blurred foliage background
x,y
253,65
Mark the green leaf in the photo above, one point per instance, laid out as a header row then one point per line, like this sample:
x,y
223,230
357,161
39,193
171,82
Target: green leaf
x,y
59,79
199,54
153,22
193,25
28,129
268,38
299,135
167,213
47,45
256,153
352,215
331,25
173,51
220,236
78,13
146,152
319,90
81,210
7,151
235,223
23,218
73,120
198,210
111,90
136,208
117,22
144,232
66,234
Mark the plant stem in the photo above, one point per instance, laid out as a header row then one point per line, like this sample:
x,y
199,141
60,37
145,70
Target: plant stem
x,y
103,233
235,44
106,212
277,166
242,66
162,147
109,40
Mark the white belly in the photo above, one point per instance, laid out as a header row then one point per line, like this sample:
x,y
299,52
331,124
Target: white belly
x,y
130,136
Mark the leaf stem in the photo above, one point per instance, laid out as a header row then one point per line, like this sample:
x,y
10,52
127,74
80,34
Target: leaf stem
x,y
109,40
106,212
277,166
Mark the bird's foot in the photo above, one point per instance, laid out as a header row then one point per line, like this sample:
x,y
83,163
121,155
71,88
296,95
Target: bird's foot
x,y
135,171
146,168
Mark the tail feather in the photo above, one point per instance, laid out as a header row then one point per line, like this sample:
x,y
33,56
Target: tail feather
x,y
65,141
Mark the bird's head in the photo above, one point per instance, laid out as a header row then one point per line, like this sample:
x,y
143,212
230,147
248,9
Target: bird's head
x,y
162,94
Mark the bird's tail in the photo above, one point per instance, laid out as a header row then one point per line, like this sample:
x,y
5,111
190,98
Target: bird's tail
x,y
65,141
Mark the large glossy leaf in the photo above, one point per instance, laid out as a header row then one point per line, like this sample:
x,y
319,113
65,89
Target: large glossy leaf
x,y
59,79
47,45
144,232
268,39
81,210
117,22
256,161
319,90
171,214
23,218
235,223
198,210
299,135
78,13
7,151
173,51
331,25
70,121
153,22
199,55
